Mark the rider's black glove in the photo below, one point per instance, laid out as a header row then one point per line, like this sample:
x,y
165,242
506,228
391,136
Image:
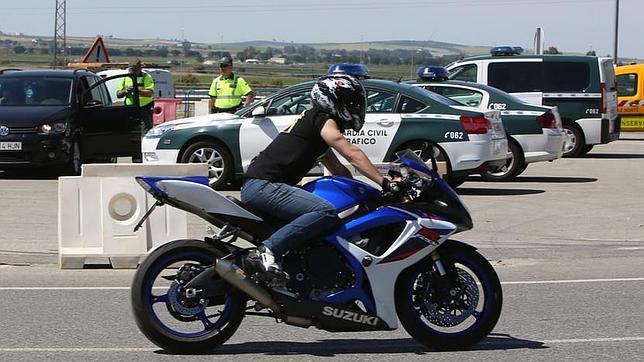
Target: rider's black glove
x,y
392,186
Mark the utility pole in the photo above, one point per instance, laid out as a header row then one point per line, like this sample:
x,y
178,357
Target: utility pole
x,y
60,38
616,28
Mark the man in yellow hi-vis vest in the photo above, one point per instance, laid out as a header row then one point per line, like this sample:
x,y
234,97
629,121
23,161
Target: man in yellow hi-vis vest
x,y
145,84
227,89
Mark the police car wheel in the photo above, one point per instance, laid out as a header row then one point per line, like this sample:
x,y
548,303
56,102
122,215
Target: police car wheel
x,y
513,167
218,158
423,149
573,140
586,149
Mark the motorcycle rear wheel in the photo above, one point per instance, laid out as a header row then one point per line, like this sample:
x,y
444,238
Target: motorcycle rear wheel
x,y
452,312
168,320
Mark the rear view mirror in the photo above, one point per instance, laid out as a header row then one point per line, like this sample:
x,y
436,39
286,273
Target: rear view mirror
x,y
259,111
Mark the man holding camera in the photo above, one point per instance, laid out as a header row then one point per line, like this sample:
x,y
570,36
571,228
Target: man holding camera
x,y
145,85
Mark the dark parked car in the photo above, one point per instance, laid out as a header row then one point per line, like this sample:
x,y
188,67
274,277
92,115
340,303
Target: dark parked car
x,y
62,118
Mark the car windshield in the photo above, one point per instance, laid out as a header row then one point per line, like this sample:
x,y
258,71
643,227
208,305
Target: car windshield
x,y
35,91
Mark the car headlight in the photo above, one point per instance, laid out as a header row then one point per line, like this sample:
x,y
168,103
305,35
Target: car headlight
x,y
158,131
49,128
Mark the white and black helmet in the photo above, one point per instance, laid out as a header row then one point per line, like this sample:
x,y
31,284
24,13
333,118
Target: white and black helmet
x,y
343,97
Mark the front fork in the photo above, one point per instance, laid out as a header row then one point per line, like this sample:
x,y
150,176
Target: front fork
x,y
438,264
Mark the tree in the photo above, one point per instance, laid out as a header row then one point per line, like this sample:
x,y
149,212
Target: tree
x,y
19,49
591,52
551,50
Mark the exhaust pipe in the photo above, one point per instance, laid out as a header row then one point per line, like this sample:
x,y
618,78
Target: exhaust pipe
x,y
238,278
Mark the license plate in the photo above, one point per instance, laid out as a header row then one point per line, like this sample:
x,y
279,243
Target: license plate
x,y
10,146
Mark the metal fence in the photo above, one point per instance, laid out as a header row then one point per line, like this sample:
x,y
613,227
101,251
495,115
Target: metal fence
x,y
189,96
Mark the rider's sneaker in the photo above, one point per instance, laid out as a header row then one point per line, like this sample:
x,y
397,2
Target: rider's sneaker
x,y
265,259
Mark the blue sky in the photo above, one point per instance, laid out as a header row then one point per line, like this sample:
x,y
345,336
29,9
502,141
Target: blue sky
x,y
570,25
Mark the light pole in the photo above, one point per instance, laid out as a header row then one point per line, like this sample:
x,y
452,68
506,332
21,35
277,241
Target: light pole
x,y
616,29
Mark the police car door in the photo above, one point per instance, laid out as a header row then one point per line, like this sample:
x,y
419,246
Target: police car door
x,y
258,132
521,77
381,125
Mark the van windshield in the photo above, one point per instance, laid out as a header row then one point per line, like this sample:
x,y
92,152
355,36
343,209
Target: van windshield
x,y
35,91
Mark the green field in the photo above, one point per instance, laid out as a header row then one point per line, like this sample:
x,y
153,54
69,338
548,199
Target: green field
x,y
190,74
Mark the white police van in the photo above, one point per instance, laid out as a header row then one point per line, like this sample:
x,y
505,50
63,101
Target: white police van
x,y
582,87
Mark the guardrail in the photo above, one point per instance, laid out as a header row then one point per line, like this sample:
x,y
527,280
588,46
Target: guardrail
x,y
190,96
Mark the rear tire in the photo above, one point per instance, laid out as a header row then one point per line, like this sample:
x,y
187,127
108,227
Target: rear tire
x,y
168,326
514,165
218,158
454,311
574,140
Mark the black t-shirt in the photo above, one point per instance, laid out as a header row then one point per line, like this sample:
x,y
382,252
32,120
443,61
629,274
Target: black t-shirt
x,y
294,152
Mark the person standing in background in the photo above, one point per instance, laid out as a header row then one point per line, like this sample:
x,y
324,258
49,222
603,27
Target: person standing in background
x,y
227,90
145,84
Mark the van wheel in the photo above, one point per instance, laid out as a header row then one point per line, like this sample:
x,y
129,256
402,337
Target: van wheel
x,y
219,160
513,165
573,140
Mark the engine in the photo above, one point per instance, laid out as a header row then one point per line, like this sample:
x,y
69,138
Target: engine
x,y
316,270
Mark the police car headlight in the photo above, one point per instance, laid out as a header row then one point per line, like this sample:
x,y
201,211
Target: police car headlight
x,y
50,128
158,131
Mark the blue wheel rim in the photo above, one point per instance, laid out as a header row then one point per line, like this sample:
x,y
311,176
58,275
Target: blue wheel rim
x,y
209,327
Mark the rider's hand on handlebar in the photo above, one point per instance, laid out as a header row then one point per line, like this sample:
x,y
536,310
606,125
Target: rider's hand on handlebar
x,y
394,187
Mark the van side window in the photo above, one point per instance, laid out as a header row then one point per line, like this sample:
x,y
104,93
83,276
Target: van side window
x,y
515,77
465,73
627,85
539,76
566,76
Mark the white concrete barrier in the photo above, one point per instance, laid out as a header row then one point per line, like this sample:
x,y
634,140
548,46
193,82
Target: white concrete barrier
x,y
98,210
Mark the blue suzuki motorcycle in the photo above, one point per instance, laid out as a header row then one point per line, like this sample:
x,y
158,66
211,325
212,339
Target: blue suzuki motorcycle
x,y
390,259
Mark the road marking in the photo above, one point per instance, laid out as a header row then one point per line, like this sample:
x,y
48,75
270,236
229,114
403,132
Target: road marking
x,y
525,282
573,281
130,349
591,340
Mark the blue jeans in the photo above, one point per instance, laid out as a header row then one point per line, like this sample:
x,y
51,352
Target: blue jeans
x,y
308,215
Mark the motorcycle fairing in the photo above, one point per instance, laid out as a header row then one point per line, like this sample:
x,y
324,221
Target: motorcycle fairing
x,y
383,270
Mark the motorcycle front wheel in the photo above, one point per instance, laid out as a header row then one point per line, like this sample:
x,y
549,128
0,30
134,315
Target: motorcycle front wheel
x,y
453,311
166,316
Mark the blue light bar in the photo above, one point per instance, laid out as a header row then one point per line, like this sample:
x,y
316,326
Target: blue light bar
x,y
359,71
506,50
432,73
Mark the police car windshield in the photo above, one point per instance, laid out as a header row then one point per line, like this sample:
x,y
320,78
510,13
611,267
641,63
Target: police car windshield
x,y
434,96
35,91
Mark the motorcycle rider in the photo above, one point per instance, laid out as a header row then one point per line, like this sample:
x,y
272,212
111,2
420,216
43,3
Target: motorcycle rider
x,y
339,103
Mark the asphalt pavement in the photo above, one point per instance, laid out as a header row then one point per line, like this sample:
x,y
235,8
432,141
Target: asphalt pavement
x,y
567,239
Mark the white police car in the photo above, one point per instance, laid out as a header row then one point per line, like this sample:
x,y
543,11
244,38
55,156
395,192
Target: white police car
x,y
399,116
534,132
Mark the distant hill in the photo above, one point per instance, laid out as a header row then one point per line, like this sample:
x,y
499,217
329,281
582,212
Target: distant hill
x,y
435,47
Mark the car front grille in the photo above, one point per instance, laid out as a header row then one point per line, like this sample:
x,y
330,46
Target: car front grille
x,y
23,130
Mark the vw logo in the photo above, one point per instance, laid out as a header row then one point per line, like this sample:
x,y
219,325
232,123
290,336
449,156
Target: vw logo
x,y
4,131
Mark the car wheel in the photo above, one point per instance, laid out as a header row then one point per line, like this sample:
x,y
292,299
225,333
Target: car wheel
x,y
586,149
423,149
75,162
220,164
573,140
513,165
